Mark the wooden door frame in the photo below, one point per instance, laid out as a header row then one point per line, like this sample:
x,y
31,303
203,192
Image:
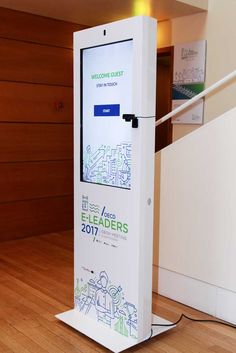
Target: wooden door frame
x,y
168,51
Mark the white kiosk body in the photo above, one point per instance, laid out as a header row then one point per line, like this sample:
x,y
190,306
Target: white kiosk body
x,y
114,74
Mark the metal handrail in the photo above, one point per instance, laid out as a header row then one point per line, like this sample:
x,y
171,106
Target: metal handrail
x,y
197,97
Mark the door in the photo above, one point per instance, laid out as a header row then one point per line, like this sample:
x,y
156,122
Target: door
x,y
164,96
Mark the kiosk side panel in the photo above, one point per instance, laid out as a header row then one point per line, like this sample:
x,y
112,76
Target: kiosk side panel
x,y
113,166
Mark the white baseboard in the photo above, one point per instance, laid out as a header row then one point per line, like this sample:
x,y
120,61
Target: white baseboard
x,y
203,296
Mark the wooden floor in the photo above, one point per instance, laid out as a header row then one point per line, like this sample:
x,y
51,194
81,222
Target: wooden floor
x,y
36,282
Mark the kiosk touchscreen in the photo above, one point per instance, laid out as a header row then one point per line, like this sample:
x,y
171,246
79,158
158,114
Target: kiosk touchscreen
x,y
106,91
114,75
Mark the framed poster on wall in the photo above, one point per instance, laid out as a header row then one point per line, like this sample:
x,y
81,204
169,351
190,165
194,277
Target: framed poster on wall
x,y
189,80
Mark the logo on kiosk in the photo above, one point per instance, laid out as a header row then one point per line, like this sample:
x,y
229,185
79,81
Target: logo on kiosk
x,y
102,225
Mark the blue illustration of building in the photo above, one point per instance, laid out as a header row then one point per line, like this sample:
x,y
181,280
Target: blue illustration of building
x,y
108,166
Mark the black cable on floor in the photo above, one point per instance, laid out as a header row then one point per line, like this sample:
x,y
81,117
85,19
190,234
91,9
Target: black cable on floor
x,y
192,319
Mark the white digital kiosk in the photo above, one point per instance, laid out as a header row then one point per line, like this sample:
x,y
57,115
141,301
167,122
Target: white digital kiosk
x,y
114,75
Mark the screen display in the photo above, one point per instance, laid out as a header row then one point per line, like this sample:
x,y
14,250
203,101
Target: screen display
x,y
106,92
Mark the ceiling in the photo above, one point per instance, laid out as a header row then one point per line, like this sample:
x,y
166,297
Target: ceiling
x,y
94,12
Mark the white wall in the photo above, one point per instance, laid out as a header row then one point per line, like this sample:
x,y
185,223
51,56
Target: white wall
x,y
218,28
197,230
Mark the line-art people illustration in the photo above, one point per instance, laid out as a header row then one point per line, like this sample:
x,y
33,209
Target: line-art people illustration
x,y
103,300
88,300
132,318
107,304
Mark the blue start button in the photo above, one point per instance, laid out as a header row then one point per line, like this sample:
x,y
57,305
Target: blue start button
x,y
107,110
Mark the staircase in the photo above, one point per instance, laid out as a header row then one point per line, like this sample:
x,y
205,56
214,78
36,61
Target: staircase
x,y
197,217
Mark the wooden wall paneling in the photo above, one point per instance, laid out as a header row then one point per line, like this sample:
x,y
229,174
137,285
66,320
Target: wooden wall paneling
x,y
35,63
38,29
31,180
32,217
35,142
21,102
36,131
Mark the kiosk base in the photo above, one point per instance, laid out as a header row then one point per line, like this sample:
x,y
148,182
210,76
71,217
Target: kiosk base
x,y
103,335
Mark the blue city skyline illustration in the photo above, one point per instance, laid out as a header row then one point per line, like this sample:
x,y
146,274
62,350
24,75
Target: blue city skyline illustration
x,y
108,165
108,302
190,75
